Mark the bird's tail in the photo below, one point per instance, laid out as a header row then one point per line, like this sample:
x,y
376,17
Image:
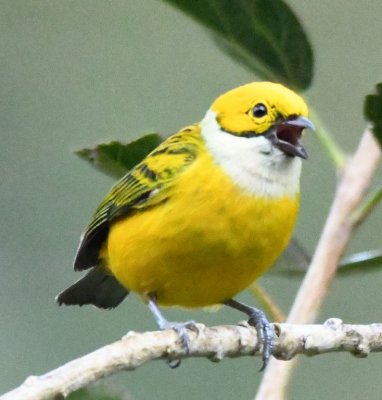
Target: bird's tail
x,y
97,288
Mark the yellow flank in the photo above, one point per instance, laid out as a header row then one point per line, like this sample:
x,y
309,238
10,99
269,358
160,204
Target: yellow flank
x,y
207,242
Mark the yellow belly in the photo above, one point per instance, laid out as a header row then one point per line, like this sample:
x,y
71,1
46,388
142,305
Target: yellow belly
x,y
206,243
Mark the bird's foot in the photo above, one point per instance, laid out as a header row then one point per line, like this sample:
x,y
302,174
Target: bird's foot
x,y
258,320
181,328
265,334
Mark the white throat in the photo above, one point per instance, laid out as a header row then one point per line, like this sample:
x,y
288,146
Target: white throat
x,y
253,163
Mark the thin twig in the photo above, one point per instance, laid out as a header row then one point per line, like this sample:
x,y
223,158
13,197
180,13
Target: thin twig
x,y
215,343
364,209
339,226
267,303
327,141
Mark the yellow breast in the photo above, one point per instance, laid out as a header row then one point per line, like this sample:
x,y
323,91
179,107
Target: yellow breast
x,y
207,242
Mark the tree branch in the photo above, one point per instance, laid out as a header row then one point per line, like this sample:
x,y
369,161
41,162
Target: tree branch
x,y
214,343
339,227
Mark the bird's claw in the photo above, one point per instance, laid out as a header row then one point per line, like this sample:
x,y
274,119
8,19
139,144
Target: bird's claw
x,y
265,334
181,328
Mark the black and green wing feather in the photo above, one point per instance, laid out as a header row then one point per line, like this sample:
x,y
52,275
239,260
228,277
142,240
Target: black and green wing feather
x,y
146,185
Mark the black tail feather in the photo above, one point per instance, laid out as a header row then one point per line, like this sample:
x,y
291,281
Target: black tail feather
x,y
96,288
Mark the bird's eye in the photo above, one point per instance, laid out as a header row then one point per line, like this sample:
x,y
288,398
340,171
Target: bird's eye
x,y
259,110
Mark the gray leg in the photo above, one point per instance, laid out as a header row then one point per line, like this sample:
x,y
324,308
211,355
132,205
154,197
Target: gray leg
x,y
258,320
179,327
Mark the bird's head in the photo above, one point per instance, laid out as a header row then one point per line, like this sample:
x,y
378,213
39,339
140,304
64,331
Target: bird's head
x,y
267,110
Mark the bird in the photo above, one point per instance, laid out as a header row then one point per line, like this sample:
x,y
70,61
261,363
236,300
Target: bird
x,y
203,215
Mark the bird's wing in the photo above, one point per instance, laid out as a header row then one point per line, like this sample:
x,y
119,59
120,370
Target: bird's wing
x,y
146,185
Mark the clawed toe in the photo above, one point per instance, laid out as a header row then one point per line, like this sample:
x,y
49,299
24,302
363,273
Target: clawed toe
x,y
181,328
265,334
264,329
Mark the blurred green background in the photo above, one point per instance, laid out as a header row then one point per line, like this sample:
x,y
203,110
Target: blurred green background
x,y
76,73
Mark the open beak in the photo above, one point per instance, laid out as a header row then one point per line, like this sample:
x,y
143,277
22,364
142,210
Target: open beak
x,y
286,135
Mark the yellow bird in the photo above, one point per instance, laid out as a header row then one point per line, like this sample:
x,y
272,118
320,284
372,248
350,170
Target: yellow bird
x,y
204,214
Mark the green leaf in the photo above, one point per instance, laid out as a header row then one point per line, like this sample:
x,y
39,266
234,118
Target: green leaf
x,y
365,261
264,35
373,112
294,261
116,158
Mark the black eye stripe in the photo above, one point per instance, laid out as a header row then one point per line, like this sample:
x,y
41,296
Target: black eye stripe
x,y
260,110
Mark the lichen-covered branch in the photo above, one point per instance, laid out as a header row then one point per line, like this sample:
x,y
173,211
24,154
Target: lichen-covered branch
x,y
214,343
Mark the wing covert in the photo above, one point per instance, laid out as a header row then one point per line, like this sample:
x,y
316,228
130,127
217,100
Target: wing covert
x,y
146,185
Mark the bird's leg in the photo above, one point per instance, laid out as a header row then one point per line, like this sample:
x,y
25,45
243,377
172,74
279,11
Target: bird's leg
x,y
264,329
179,327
